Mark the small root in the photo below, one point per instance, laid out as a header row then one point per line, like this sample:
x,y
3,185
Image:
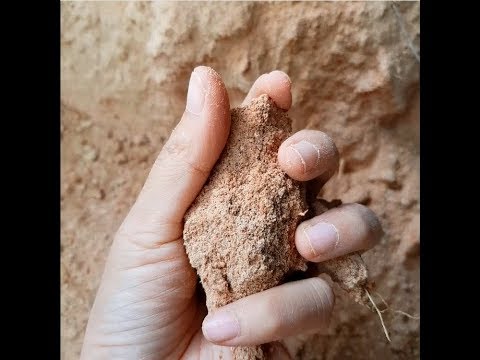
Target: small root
x,y
406,314
303,213
387,307
379,314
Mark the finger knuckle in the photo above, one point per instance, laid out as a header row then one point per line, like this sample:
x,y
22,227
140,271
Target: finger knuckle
x,y
176,153
323,297
176,147
277,309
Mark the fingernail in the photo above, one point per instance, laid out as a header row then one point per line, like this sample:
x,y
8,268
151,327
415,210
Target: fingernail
x,y
322,238
307,153
221,326
196,94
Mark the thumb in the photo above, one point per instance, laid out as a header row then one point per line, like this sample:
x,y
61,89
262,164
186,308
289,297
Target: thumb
x,y
184,163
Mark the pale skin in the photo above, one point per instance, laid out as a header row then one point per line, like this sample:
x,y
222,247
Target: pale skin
x,y
147,305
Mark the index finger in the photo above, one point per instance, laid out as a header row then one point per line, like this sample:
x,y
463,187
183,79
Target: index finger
x,y
276,85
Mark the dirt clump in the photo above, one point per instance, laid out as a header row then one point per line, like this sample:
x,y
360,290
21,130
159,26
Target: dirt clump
x,y
239,232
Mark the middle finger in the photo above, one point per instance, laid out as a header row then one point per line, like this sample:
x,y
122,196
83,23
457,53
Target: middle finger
x,y
308,154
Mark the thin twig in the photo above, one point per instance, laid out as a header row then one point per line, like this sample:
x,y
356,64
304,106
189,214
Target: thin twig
x,y
379,314
407,315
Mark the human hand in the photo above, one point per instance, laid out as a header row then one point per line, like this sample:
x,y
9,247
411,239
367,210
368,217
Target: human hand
x,y
147,305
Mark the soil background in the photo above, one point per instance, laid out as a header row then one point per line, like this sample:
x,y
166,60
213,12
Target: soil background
x,y
355,71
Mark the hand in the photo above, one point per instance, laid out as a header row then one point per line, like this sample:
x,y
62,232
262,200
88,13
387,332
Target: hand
x,y
147,305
